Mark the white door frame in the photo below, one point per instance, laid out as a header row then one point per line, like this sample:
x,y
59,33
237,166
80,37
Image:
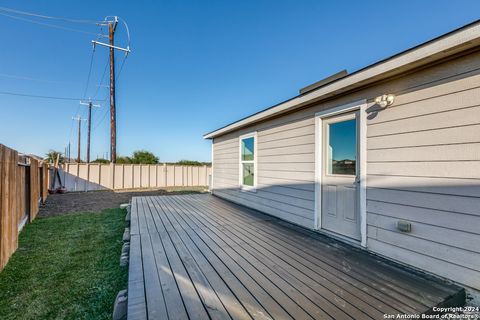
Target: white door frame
x,y
362,140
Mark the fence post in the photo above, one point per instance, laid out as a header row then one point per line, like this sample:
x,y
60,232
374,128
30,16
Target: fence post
x,y
120,176
112,176
133,176
28,193
165,174
87,182
77,176
99,174
33,188
67,170
123,176
206,175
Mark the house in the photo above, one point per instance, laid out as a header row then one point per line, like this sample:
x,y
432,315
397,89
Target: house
x,y
386,158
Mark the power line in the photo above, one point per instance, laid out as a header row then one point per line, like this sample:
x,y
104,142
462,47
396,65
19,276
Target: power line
x,y
34,79
112,26
40,96
101,80
98,89
104,114
116,79
101,120
121,67
3,11
49,17
104,72
88,82
57,27
88,79
89,73
48,24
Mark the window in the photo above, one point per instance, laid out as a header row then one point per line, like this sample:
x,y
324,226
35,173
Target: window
x,y
247,161
342,151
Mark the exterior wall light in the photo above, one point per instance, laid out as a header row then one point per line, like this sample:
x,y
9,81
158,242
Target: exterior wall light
x,y
385,100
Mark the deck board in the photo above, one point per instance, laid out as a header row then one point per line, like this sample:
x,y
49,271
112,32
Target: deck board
x,y
268,277
347,259
303,278
337,267
227,297
201,257
137,304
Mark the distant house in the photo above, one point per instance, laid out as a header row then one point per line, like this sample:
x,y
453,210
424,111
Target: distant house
x,y
386,158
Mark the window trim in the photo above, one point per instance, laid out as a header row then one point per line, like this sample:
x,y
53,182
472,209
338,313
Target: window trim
x,y
241,162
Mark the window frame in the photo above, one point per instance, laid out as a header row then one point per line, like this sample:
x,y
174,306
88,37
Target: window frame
x,y
241,162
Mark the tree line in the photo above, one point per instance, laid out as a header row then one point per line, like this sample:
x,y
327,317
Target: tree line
x,y
137,157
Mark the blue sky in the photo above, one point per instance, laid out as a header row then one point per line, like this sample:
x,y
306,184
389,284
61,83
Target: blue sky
x,y
195,66
342,140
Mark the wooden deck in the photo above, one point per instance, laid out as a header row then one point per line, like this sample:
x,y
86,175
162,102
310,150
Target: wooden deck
x,y
200,257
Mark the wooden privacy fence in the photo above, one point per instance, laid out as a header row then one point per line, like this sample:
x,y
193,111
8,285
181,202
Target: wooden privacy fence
x,y
87,177
23,186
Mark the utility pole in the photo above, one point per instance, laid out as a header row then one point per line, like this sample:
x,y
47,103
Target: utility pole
x,y
112,26
90,105
79,135
113,113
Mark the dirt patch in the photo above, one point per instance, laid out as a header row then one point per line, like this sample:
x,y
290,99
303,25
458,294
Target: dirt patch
x,y
95,201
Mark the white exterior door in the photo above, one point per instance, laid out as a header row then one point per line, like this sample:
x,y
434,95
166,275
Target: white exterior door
x,y
340,175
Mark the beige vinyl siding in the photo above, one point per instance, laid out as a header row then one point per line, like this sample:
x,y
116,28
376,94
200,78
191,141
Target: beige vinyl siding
x,y
460,187
285,160
225,164
423,166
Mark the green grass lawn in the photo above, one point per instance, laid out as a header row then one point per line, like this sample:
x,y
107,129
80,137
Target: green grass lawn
x,y
66,267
